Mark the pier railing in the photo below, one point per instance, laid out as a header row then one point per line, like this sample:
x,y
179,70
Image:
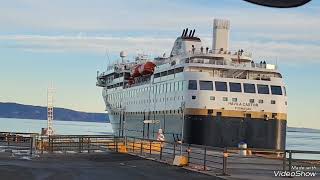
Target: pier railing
x,y
221,161
209,159
78,143
17,142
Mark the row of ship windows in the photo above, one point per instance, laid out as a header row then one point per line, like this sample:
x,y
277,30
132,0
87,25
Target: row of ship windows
x,y
169,72
144,101
156,89
177,111
236,87
212,98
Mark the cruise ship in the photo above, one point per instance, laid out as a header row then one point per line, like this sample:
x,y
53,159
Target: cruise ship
x,y
198,94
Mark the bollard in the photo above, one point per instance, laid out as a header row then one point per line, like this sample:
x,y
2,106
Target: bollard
x,y
204,158
141,145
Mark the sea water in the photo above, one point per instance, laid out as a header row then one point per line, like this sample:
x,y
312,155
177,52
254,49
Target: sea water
x,y
60,127
297,138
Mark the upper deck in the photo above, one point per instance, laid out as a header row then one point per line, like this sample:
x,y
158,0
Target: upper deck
x,y
189,54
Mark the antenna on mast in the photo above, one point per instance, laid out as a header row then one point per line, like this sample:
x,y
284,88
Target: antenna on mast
x,y
50,92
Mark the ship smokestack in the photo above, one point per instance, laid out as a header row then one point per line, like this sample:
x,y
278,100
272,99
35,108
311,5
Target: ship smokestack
x,y
220,39
185,33
182,32
190,33
193,33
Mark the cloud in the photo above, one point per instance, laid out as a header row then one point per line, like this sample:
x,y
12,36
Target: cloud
x,y
145,15
284,51
36,43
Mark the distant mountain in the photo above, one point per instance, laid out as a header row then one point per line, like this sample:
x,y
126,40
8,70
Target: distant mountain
x,y
21,111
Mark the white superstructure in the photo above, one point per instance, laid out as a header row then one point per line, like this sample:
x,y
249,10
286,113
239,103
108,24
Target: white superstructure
x,y
227,96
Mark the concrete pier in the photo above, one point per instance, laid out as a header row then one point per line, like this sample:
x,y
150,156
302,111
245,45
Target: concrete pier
x,y
94,166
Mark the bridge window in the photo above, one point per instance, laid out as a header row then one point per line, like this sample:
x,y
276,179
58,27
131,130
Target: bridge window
x,y
178,70
206,85
235,87
249,88
171,71
192,85
263,89
156,75
276,90
221,86
164,73
285,91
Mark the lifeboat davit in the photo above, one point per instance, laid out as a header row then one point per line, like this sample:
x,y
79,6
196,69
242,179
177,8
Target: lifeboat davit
x,y
131,80
143,69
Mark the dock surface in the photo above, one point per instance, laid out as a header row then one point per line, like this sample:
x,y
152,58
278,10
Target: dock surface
x,y
109,165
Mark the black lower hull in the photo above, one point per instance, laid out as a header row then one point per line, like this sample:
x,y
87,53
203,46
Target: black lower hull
x,y
229,131
217,131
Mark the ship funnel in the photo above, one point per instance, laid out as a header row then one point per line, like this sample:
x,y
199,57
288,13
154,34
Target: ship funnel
x,y
190,33
182,32
185,33
220,39
193,33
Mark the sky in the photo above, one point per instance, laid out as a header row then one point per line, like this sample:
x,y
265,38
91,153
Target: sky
x,y
66,42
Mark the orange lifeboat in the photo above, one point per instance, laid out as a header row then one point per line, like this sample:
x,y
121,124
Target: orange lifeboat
x,y
146,69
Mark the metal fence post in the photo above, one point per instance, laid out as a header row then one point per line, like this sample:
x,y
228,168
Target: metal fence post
x,y
141,145
31,145
205,158
188,152
49,144
290,161
116,144
88,144
150,147
79,145
41,145
174,150
161,151
134,140
284,162
224,164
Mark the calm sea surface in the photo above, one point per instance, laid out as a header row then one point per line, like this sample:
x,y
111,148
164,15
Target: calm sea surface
x,y
297,138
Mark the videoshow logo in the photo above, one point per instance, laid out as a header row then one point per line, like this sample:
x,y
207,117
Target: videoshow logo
x,y
297,171
279,3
